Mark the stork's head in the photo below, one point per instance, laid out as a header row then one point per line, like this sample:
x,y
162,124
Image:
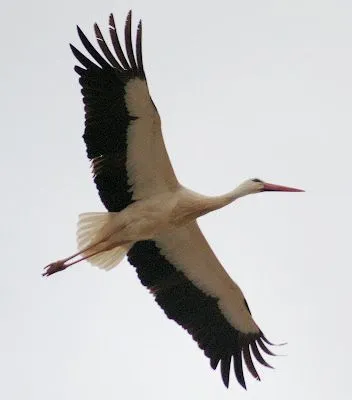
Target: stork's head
x,y
256,185
271,187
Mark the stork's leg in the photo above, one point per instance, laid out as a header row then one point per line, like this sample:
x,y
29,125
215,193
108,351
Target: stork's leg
x,y
84,254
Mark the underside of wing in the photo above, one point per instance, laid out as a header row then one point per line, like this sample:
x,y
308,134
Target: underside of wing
x,y
122,127
192,287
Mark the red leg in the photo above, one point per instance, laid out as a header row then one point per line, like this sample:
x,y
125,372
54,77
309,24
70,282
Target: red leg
x,y
60,265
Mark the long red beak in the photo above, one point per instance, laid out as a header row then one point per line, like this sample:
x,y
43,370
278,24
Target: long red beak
x,y
270,187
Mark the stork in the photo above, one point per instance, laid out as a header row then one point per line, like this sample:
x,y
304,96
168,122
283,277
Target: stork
x,y
150,216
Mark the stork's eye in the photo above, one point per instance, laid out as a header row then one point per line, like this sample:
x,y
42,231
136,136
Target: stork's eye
x,y
256,180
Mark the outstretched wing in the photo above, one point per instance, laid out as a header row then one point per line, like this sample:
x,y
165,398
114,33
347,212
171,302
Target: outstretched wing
x,y
192,287
122,128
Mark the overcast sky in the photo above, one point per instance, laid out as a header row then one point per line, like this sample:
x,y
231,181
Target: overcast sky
x,y
245,89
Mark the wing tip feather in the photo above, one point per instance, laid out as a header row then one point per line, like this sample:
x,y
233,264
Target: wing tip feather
x,y
112,24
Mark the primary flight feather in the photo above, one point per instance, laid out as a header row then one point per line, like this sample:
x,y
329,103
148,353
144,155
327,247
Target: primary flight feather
x,y
151,217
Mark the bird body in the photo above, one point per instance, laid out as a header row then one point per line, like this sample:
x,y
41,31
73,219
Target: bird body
x,y
144,219
150,216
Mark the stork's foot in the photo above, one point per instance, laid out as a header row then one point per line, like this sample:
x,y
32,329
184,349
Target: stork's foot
x,y
54,267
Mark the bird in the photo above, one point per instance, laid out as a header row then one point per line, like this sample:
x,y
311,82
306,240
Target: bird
x,y
151,217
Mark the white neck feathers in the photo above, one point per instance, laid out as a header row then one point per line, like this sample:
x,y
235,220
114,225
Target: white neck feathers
x,y
214,203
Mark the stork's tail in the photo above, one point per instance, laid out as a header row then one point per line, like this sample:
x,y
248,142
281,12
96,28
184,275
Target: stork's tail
x,y
93,227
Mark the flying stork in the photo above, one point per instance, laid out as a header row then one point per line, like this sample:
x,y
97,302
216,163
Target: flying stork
x,y
151,217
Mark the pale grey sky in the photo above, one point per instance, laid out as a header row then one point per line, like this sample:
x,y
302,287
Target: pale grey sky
x,y
244,89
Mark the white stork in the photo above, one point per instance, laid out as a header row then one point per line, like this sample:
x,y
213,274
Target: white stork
x,y
151,217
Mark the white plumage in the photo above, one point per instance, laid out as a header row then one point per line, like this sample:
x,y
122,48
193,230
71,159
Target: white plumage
x,y
92,228
151,217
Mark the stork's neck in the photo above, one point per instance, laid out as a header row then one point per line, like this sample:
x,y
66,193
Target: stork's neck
x,y
217,202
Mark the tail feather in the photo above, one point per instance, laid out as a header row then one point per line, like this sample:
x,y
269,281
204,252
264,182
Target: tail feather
x,y
89,226
109,259
92,228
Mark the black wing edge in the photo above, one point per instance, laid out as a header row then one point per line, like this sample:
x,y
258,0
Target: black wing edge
x,y
129,67
199,314
243,348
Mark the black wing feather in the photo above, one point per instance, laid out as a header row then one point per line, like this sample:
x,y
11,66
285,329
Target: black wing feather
x,y
249,362
237,359
225,368
195,311
91,50
264,348
105,49
83,59
139,47
107,118
116,43
128,42
258,356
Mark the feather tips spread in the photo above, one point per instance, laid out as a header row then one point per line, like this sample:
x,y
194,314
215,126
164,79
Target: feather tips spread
x,y
120,118
196,312
107,118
